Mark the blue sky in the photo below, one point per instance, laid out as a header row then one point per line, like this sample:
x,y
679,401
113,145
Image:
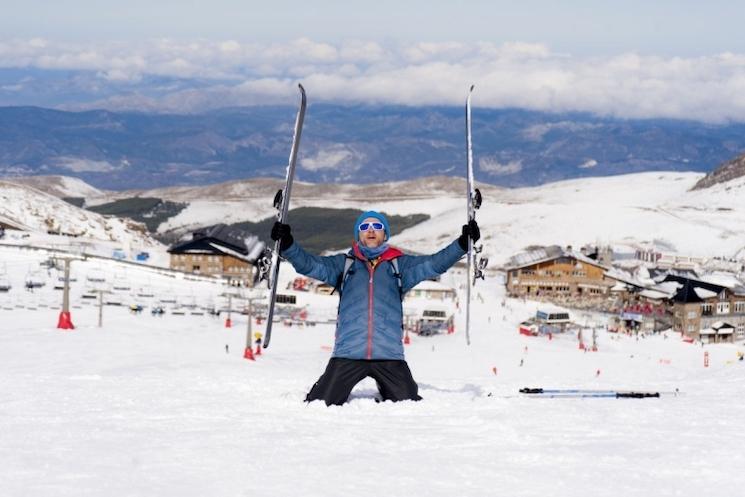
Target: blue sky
x,y
682,28
669,59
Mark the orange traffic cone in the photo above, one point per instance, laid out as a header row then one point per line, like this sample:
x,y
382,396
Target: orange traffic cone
x,y
407,340
228,323
248,354
65,321
258,349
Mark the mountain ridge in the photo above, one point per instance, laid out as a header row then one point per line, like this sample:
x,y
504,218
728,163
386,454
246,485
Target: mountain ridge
x,y
349,144
237,190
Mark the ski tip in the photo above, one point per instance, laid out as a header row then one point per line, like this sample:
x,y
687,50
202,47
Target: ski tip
x,y
471,89
302,91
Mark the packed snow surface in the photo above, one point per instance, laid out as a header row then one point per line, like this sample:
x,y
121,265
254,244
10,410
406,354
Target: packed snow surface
x,y
147,405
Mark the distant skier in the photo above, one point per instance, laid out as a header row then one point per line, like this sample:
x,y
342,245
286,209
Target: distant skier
x,y
369,326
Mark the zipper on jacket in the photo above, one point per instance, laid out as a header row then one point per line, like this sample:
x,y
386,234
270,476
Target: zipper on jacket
x,y
371,270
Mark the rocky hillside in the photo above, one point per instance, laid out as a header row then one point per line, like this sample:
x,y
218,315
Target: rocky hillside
x,y
26,208
730,170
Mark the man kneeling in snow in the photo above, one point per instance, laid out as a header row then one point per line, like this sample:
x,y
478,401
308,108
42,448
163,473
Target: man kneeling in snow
x,y
371,280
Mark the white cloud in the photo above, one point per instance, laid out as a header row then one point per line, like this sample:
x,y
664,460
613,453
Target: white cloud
x,y
515,74
492,166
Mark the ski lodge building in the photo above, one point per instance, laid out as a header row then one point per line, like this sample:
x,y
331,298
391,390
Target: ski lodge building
x,y
650,300
556,272
708,312
219,251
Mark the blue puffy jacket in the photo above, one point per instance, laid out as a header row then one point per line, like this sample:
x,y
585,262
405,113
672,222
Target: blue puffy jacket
x,y
370,322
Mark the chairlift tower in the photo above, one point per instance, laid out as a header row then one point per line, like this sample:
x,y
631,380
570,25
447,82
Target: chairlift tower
x,y
250,298
64,322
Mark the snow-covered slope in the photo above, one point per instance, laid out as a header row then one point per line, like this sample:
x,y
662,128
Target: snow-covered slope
x,y
617,209
167,406
631,208
41,213
59,186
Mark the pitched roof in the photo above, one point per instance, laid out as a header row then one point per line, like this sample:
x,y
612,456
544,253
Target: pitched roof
x,y
690,291
545,254
222,239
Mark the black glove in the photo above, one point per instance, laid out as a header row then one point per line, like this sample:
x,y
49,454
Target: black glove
x,y
471,229
283,233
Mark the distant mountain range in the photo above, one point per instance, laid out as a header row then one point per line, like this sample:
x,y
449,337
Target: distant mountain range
x,y
349,144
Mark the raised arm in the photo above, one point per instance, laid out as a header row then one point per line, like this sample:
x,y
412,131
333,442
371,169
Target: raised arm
x,y
415,269
324,268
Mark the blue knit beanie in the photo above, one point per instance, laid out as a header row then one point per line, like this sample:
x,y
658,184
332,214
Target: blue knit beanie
x,y
376,215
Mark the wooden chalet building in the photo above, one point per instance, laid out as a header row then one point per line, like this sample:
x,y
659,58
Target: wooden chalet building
x,y
556,272
219,251
708,312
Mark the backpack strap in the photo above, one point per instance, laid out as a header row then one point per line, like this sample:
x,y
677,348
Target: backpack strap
x,y
348,264
343,277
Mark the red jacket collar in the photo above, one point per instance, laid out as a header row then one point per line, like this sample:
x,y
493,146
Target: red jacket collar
x,y
389,254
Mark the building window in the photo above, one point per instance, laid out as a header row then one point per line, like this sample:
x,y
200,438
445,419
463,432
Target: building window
x,y
691,328
692,314
286,299
722,307
739,306
707,309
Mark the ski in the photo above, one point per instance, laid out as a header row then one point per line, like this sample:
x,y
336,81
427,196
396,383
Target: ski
x,y
475,264
269,267
582,393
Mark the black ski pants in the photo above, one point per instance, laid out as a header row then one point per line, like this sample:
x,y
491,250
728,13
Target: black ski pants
x,y
336,383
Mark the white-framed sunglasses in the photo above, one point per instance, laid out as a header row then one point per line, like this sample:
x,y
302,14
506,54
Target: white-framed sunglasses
x,y
375,226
